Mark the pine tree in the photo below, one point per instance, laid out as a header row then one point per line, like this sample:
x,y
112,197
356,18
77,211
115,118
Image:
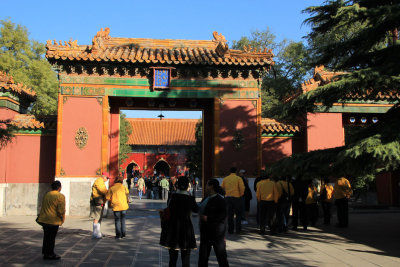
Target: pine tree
x,y
361,40
125,130
24,60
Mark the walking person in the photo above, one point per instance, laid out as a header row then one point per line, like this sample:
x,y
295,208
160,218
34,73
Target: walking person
x,y
286,192
97,202
326,201
141,187
119,196
212,211
178,232
164,184
342,193
234,191
51,216
267,196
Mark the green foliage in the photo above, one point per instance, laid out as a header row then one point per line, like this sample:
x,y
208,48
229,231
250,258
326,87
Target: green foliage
x,y
359,38
24,60
125,129
6,133
285,75
194,154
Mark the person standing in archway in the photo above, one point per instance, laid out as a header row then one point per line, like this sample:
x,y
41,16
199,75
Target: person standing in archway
x,y
140,187
164,184
97,202
234,188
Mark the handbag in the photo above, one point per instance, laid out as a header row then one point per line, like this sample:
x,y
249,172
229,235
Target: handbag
x,y
165,215
98,201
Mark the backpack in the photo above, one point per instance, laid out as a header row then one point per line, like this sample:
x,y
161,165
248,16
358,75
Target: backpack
x,y
285,197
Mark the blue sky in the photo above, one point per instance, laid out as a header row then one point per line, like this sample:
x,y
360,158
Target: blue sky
x,y
174,19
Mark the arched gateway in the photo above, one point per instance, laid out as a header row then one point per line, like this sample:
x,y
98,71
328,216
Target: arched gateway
x,y
98,80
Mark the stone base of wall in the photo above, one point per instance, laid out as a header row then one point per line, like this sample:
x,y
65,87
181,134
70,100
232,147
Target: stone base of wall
x,y
26,198
77,191
22,198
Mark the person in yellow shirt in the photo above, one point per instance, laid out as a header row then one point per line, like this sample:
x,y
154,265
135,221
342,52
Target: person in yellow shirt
x,y
97,201
119,195
51,216
234,191
342,192
285,192
267,197
326,200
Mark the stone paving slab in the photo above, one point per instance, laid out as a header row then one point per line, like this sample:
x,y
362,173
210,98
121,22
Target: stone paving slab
x,y
371,240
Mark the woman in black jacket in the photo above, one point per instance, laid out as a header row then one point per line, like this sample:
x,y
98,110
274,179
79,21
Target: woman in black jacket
x,y
212,212
178,234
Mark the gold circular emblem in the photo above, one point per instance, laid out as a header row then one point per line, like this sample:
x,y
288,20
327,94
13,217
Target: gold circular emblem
x,y
81,138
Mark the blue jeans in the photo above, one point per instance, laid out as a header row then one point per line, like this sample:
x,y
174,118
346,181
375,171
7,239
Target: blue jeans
x,y
140,194
120,228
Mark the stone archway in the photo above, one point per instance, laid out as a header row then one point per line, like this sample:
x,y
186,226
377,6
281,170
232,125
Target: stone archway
x,y
162,167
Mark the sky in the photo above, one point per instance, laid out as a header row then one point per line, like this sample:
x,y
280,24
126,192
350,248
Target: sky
x,y
174,19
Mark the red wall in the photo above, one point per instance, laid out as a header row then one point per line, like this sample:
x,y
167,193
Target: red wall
x,y
275,148
238,115
324,130
387,188
28,159
149,160
7,114
81,112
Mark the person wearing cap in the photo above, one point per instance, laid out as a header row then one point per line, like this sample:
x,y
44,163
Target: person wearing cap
x,y
234,191
97,201
51,216
119,196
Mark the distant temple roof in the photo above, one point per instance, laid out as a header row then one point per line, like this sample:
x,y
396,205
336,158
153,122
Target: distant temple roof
x,y
156,132
30,122
163,51
7,84
181,132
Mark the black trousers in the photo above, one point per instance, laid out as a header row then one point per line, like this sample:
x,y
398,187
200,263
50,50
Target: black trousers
x,y
342,206
234,207
326,207
267,212
312,214
173,257
219,248
49,239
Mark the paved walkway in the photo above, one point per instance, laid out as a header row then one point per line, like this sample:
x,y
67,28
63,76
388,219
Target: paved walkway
x,y
373,239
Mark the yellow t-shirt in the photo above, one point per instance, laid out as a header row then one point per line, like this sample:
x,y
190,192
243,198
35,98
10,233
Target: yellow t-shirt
x,y
53,208
118,194
233,186
266,190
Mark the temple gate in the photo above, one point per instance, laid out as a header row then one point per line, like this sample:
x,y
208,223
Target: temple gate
x,y
98,80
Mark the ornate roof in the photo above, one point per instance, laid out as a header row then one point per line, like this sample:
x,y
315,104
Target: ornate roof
x,y
271,126
7,83
156,132
322,76
105,48
25,121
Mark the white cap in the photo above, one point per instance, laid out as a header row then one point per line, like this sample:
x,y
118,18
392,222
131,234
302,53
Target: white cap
x,y
242,171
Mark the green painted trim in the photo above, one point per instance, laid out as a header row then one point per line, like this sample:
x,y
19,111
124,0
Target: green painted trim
x,y
145,92
35,131
65,79
354,109
8,104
